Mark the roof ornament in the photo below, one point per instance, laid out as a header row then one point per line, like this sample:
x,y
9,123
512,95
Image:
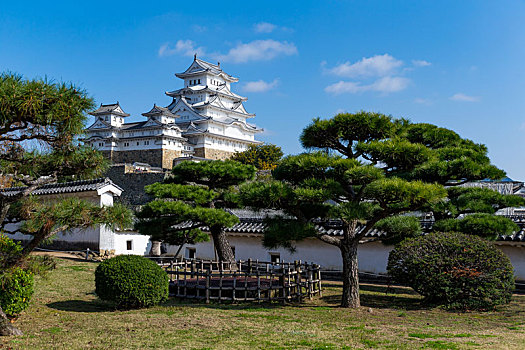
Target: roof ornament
x,y
194,56
219,65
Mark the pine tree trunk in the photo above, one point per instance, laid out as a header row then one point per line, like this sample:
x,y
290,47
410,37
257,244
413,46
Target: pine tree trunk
x,y
4,208
155,248
5,326
222,246
350,297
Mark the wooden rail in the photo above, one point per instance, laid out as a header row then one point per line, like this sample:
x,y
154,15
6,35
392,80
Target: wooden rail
x,y
250,280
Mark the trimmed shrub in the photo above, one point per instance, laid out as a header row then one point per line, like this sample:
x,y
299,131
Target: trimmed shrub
x,y
16,284
455,270
16,289
9,249
131,281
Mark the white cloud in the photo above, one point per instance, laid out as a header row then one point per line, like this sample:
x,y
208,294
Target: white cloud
x,y
375,66
421,63
182,47
390,84
342,87
264,27
260,85
386,84
258,50
464,98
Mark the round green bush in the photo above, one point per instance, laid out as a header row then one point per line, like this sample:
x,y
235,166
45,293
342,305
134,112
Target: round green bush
x,y
453,269
9,249
16,289
131,281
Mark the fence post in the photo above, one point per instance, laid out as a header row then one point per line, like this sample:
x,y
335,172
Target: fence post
x,y
208,276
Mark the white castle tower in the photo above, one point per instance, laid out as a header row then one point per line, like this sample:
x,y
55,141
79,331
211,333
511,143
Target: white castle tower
x,y
204,120
212,117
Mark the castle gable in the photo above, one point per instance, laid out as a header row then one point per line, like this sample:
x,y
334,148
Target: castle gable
x,y
99,124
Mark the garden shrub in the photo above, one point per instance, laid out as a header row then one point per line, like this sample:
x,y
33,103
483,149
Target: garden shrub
x,y
16,284
453,269
9,249
40,264
131,281
16,289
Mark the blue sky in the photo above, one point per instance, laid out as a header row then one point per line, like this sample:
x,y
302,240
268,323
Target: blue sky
x,y
457,64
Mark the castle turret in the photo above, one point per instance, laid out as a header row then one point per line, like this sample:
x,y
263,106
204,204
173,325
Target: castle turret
x,y
112,114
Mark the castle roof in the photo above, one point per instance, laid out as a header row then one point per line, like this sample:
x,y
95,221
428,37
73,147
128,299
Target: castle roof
x,y
199,67
66,187
158,111
222,89
112,108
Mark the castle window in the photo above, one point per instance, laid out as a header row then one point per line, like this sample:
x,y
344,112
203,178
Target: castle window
x,y
199,81
146,142
275,258
137,143
190,253
129,245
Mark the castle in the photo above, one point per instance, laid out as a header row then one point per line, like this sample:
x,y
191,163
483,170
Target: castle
x,y
205,120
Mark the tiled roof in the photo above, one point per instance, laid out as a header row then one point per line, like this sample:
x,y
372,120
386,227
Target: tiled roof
x,y
65,187
515,237
109,108
158,110
252,222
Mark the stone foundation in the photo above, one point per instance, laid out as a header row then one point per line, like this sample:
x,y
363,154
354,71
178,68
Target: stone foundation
x,y
133,184
211,153
154,157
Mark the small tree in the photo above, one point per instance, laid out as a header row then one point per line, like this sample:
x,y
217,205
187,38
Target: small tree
x,y
372,167
192,198
39,126
263,156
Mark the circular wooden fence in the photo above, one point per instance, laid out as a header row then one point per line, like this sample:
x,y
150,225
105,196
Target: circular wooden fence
x,y
250,280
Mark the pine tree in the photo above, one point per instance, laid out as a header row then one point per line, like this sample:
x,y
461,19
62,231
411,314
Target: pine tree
x,y
194,197
39,126
369,167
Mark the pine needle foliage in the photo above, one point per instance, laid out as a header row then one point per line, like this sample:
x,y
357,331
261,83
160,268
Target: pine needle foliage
x,y
194,197
363,169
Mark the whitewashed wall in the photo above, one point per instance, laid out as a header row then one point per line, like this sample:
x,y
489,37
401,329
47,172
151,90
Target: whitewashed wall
x,y
140,244
516,255
372,256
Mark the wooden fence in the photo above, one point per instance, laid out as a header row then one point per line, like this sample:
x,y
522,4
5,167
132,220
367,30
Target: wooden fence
x,y
250,280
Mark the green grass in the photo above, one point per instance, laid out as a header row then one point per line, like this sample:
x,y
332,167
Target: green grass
x,y
65,314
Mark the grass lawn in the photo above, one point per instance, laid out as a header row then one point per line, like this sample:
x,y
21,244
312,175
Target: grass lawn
x,y
65,314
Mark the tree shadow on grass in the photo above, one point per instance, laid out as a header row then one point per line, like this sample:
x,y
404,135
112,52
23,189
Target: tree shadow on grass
x,y
176,302
82,306
383,297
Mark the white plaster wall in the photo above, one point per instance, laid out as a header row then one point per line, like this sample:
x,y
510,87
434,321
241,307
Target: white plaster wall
x,y
373,256
140,244
516,255
90,235
106,199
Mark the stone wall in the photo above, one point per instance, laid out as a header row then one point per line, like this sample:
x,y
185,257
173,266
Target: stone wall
x,y
154,157
211,153
168,156
133,184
